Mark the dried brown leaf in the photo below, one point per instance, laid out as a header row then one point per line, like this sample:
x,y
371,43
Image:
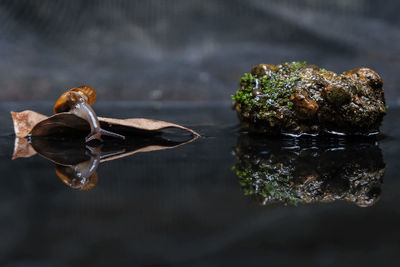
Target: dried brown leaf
x,y
25,121
145,124
29,122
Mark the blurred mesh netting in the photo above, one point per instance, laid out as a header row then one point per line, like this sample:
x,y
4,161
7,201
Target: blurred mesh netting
x,y
186,49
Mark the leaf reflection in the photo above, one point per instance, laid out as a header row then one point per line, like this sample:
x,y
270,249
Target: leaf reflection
x,y
310,169
76,162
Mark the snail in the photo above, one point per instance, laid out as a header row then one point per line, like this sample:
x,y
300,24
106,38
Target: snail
x,y
81,176
78,101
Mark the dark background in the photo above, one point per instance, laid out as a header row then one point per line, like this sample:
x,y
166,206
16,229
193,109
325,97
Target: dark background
x,y
186,50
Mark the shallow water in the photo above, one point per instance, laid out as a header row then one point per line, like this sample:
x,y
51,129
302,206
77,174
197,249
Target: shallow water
x,y
187,207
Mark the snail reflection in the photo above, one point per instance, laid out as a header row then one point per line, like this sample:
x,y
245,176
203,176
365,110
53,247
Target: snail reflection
x,y
76,162
310,169
81,176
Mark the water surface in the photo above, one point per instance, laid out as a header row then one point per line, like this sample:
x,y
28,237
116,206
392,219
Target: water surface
x,y
186,206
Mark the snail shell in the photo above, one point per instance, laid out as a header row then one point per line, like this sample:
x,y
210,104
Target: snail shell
x,y
67,99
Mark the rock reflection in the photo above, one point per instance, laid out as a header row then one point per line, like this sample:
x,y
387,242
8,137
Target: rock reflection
x,y
76,162
310,169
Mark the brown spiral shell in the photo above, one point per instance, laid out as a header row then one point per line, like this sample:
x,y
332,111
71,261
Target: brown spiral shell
x,y
88,92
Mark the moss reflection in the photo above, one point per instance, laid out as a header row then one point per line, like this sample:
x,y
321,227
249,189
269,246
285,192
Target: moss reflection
x,y
310,169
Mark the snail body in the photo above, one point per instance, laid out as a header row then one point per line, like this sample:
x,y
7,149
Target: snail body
x,y
78,101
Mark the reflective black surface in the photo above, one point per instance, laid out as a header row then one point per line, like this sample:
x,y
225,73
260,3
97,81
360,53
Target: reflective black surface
x,y
186,207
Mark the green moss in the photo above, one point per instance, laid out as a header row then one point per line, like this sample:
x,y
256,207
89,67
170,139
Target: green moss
x,y
275,89
298,64
266,183
246,79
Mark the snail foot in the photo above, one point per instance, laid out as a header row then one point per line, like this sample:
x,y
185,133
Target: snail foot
x,y
96,134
